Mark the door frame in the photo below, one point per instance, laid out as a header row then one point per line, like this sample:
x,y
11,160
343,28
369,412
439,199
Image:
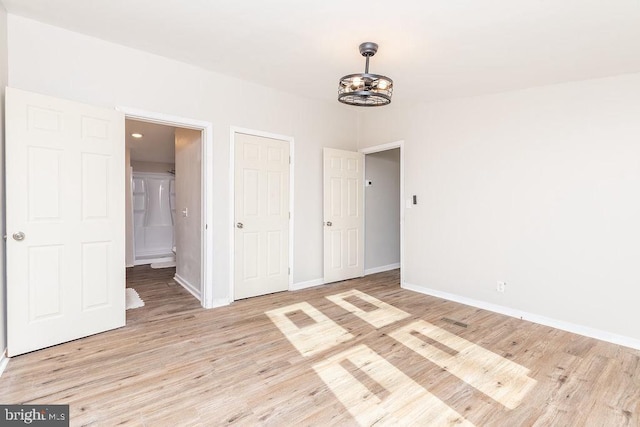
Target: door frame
x,y
377,149
206,180
232,169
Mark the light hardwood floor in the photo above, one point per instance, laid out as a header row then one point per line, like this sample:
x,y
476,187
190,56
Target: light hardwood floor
x,y
176,364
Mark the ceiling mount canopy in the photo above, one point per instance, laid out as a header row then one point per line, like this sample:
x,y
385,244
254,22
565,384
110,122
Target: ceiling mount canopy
x,y
365,89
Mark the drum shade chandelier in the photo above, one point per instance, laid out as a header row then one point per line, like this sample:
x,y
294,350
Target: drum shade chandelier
x,y
365,89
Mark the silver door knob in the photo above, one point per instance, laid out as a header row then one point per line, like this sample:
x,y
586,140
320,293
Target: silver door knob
x,y
18,236
329,223
239,225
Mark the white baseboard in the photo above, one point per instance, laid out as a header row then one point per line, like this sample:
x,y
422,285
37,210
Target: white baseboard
x,y
304,285
381,269
193,290
4,361
220,302
531,317
154,260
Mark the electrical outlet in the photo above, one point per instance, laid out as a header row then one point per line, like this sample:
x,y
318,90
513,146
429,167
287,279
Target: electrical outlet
x,y
500,287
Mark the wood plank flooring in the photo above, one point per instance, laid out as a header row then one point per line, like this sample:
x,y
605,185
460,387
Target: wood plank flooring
x,y
176,364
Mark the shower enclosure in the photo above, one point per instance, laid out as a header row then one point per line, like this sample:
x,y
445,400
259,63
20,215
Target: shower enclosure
x,y
153,217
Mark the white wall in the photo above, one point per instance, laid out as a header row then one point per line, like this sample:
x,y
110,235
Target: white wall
x,y
155,167
188,230
382,210
61,63
3,83
539,187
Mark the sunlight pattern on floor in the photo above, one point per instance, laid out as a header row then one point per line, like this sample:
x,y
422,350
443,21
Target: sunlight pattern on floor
x,y
384,315
502,380
399,399
371,388
321,335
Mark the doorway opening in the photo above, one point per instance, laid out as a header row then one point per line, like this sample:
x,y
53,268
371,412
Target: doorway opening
x,y
168,209
150,164
384,207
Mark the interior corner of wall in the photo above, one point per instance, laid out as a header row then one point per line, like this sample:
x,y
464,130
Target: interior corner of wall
x,y
359,142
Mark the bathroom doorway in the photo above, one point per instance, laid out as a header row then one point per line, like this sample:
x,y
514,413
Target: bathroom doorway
x,y
166,202
150,164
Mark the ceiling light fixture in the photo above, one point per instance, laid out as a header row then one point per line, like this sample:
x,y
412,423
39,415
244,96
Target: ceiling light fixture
x,y
364,89
137,135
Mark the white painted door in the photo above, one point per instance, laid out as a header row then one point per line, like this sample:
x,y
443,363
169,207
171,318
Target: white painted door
x,y
261,243
65,220
343,215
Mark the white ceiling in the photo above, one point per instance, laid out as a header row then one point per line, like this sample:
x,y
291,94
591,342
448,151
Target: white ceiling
x,y
433,49
156,145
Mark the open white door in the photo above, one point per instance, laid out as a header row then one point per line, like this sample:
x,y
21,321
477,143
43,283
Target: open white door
x,y
261,209
65,220
343,215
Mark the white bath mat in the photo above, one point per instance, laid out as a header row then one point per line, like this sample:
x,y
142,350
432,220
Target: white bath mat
x,y
133,299
166,264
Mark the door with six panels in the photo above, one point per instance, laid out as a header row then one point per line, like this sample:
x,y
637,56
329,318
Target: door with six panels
x,y
261,208
65,220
